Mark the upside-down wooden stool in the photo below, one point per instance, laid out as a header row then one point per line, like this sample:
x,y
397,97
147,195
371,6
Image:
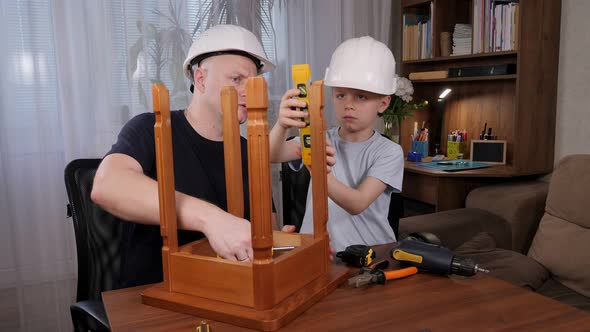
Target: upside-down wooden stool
x,y
273,289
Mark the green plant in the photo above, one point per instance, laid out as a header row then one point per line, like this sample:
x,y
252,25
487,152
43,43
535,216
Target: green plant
x,y
228,12
254,15
164,48
400,106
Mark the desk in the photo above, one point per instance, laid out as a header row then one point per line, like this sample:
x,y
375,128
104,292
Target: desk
x,y
423,301
448,190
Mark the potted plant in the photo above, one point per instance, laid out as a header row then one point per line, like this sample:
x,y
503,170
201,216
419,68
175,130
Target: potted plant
x,y
399,108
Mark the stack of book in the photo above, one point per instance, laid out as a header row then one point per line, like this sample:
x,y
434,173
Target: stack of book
x,y
462,37
495,25
418,34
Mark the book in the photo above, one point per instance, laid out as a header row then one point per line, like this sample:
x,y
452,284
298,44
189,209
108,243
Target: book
x,y
428,75
417,34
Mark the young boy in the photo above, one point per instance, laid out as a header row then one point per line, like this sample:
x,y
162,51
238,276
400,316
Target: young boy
x,y
368,166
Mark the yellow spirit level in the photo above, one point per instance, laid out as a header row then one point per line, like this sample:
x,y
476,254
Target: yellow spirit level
x,y
301,75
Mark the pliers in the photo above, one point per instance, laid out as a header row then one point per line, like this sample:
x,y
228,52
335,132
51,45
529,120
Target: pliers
x,y
374,274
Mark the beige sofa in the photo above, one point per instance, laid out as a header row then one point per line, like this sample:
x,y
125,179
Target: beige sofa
x,y
533,234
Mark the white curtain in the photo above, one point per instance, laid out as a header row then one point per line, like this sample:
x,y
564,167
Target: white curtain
x,y
74,71
309,31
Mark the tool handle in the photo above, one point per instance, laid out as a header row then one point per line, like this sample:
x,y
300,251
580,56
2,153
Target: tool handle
x,y
401,273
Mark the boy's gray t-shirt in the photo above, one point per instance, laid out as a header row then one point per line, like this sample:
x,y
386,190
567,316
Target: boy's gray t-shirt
x,y
377,157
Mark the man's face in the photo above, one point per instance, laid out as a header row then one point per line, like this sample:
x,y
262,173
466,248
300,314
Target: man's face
x,y
227,70
356,110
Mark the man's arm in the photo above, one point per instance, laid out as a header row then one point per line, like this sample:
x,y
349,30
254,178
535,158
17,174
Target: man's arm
x,y
121,188
355,200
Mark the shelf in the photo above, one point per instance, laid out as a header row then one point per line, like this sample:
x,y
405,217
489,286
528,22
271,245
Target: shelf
x,y
511,103
414,3
463,57
465,79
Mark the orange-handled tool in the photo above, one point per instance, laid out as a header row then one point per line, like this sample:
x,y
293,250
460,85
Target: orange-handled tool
x,y
375,275
401,273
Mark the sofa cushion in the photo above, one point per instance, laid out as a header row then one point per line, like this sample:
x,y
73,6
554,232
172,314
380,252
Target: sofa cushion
x,y
508,265
553,289
455,227
564,249
569,191
521,204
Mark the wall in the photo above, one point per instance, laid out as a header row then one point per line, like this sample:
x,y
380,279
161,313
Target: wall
x,y
573,93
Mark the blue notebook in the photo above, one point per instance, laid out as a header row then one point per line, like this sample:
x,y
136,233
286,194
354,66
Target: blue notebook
x,y
453,165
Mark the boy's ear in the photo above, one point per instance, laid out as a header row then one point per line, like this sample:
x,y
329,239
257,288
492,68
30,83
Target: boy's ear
x,y
199,77
384,103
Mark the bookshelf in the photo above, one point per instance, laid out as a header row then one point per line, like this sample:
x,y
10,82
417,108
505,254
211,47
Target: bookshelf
x,y
519,107
466,79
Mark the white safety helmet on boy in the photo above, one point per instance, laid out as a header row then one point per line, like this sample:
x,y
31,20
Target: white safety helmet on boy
x,y
227,39
362,63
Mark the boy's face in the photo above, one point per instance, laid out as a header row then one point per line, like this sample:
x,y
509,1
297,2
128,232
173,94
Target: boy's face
x,y
356,110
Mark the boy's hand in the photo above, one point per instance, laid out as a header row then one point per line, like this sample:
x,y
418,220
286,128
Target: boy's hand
x,y
288,229
288,115
330,156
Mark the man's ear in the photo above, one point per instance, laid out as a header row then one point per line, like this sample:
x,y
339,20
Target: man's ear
x,y
199,77
384,103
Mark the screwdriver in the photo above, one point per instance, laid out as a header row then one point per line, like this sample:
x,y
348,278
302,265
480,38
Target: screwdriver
x,y
281,248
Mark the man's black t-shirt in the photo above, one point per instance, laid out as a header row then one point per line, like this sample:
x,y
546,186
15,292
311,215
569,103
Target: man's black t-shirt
x,y
199,171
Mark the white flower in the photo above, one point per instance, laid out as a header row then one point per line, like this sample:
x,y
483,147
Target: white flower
x,y
406,98
404,88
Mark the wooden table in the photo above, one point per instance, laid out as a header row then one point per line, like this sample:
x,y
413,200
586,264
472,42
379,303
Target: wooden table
x,y
448,190
421,302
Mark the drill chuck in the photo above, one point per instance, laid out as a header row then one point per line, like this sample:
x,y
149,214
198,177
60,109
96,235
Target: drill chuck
x,y
465,266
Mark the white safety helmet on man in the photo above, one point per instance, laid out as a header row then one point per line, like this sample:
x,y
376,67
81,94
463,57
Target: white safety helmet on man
x,y
226,39
362,63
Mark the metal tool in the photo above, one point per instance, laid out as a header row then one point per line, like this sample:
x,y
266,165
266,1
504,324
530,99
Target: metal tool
x,y
357,255
203,327
376,274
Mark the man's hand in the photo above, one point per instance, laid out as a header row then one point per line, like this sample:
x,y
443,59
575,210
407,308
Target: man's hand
x,y
230,237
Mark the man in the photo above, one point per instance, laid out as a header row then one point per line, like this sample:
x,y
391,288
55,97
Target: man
x,y
125,182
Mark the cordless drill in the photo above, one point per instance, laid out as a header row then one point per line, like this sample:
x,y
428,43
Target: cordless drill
x,y
433,258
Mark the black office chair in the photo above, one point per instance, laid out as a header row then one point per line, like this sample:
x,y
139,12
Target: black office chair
x,y
98,236
295,185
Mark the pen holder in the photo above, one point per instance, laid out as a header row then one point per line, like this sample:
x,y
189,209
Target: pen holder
x,y
454,148
421,147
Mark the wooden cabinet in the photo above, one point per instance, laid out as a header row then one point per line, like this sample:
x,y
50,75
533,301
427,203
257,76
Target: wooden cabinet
x,y
519,107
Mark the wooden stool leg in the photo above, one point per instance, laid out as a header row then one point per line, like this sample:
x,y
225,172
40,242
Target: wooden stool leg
x,y
319,185
260,191
232,152
165,169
